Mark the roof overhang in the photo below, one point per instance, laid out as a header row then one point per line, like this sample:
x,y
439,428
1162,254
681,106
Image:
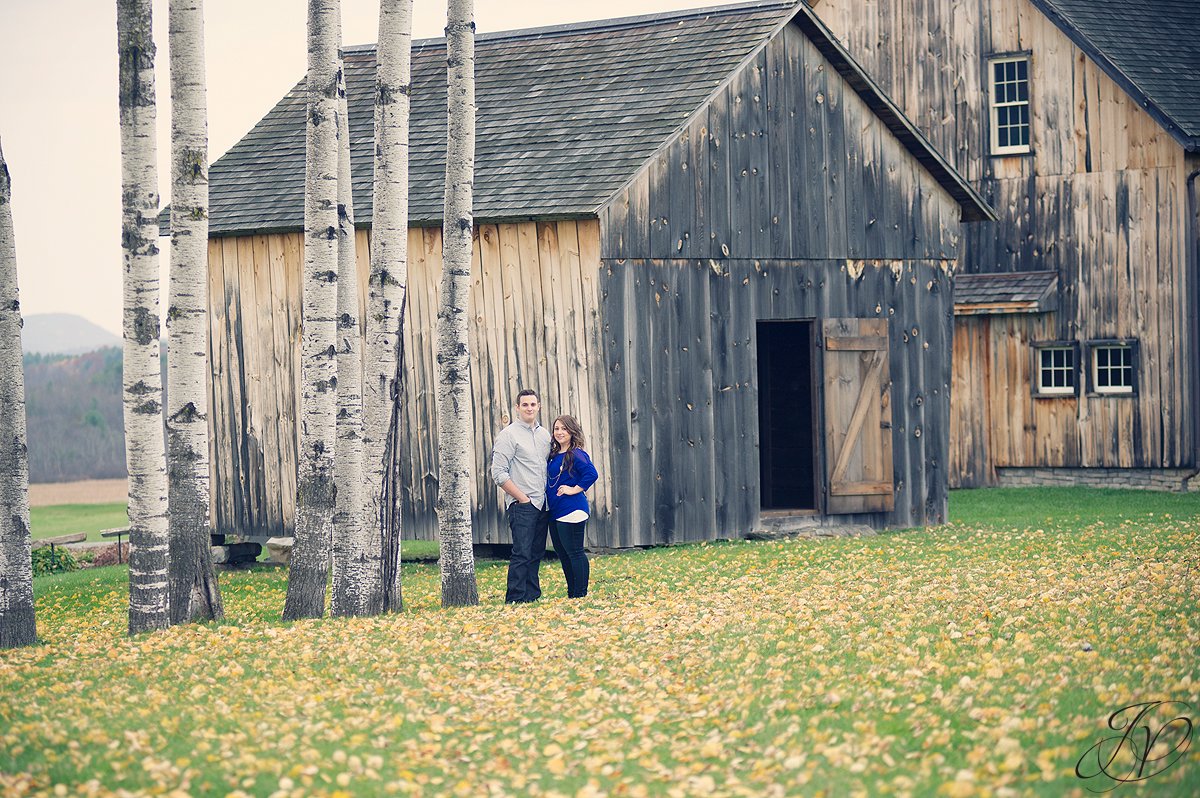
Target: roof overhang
x,y
1189,142
974,207
1005,293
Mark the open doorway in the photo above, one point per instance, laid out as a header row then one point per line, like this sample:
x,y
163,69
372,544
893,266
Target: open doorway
x,y
786,420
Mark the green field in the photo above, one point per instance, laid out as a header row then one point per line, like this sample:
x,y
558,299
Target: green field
x,y
62,519
979,658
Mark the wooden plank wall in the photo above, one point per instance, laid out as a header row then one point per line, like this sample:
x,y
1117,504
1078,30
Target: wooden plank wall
x,y
785,197
685,438
536,309
1101,200
786,161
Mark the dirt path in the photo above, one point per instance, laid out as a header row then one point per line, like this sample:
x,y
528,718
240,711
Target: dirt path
x,y
89,491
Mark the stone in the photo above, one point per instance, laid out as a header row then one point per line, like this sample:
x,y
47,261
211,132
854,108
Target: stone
x,y
279,550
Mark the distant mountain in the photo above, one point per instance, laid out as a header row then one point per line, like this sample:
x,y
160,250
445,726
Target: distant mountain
x,y
63,334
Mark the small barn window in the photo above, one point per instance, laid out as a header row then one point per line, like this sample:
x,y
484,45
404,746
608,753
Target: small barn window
x,y
1056,370
1113,367
1010,105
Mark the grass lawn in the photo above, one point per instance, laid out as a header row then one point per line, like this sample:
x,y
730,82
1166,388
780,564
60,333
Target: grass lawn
x,y
62,519
979,658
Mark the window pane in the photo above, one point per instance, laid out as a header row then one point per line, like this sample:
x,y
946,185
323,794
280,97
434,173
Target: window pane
x,y
1056,369
1114,368
1010,104
1022,119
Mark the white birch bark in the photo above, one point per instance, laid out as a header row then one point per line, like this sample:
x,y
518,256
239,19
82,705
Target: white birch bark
x,y
309,572
350,591
455,450
386,301
194,592
17,624
144,447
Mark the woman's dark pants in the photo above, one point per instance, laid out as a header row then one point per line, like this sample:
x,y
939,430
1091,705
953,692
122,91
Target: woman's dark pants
x,y
568,544
528,526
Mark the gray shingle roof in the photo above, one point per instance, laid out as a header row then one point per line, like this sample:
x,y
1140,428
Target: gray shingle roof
x,y
566,115
1151,48
1011,292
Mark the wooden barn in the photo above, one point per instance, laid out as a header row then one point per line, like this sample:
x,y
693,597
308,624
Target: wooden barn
x,y
707,234
1076,355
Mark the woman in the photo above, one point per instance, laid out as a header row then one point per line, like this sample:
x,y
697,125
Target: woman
x,y
569,472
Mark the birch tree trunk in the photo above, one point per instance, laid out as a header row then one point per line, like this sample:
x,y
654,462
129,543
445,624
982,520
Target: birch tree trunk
x,y
193,583
455,450
17,625
309,572
386,301
144,448
350,590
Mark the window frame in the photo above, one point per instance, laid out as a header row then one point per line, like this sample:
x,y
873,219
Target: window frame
x,y
994,148
1094,346
1038,390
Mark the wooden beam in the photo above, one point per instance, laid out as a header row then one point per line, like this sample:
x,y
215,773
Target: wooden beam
x,y
869,395
61,540
993,308
868,343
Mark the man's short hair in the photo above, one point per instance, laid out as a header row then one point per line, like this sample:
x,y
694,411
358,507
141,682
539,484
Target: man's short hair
x,y
526,392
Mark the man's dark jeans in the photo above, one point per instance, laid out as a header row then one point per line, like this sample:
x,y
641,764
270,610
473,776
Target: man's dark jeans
x,y
528,525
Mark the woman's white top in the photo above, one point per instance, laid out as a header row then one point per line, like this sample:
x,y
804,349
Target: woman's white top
x,y
574,517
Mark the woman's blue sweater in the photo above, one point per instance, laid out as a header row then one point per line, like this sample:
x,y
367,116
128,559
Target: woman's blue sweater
x,y
582,474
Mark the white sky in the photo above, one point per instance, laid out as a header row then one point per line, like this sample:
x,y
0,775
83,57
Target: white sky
x,y
58,114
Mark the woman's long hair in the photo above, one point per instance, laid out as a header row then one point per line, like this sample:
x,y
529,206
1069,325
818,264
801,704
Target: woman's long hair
x,y
576,432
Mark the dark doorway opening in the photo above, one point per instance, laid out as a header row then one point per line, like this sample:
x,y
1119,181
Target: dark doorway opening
x,y
786,428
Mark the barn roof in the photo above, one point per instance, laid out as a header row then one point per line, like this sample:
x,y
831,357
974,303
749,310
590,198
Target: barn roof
x,y
565,116
1010,292
1151,48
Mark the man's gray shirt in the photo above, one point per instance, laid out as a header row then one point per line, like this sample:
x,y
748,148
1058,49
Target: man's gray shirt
x,y
520,454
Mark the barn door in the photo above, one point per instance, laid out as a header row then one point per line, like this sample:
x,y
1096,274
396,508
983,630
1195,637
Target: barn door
x,y
858,416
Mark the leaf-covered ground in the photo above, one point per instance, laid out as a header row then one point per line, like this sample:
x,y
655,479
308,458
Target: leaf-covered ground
x,y
965,660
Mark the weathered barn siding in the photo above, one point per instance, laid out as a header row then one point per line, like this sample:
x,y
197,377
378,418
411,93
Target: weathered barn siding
x,y
1100,200
535,297
685,438
788,162
784,198
795,192
930,58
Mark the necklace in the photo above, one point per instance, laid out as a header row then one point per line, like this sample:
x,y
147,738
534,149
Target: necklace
x,y
561,463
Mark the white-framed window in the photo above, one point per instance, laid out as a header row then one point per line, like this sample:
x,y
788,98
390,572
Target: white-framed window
x,y
1113,367
1056,370
1008,78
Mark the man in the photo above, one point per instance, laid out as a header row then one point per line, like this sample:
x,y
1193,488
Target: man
x,y
519,468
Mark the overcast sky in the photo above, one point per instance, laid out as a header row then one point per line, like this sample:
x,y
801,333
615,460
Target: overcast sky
x,y
58,114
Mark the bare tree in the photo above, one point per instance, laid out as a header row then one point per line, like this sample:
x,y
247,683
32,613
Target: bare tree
x,y
17,625
350,588
386,301
455,451
315,504
194,591
144,447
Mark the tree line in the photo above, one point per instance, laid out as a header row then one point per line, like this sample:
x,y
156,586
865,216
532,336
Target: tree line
x,y
347,519
73,416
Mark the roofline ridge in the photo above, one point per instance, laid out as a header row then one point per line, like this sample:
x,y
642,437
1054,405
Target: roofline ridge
x,y
1124,81
974,206
594,25
1009,274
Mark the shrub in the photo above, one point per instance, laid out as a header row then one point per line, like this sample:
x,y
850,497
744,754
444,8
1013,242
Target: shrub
x,y
56,561
108,556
